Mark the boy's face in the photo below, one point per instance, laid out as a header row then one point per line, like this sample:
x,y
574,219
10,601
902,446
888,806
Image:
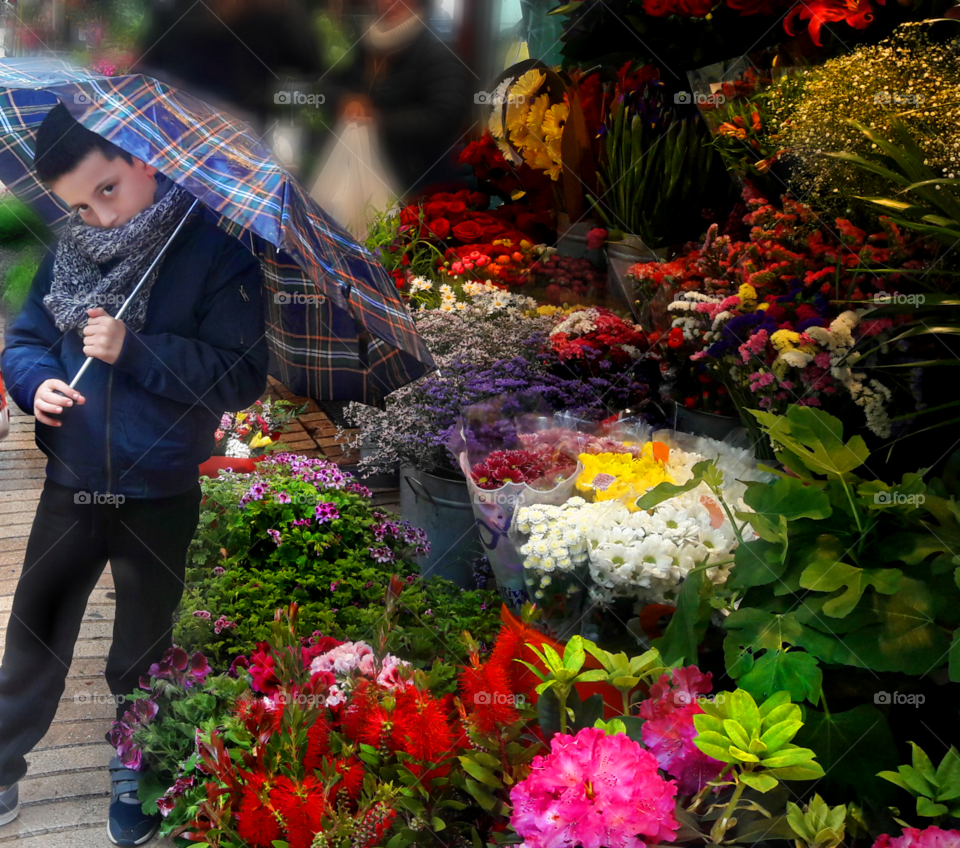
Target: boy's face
x,y
107,192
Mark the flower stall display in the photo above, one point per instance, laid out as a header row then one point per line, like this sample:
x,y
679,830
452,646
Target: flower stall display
x,y
301,529
782,318
616,539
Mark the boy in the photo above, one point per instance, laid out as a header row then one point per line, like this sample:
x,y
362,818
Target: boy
x,y
123,446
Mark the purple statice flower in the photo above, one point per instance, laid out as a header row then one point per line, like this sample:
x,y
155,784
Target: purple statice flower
x,y
275,535
326,512
382,554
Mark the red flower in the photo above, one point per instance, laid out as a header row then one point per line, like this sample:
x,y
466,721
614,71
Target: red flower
x,y
351,779
856,13
488,697
468,232
596,238
302,806
696,8
422,730
439,227
318,744
675,337
365,720
257,823
434,209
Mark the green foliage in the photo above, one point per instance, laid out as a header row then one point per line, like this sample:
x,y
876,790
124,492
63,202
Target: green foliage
x,y
18,221
653,179
626,673
845,571
937,790
327,569
818,825
735,730
390,241
17,281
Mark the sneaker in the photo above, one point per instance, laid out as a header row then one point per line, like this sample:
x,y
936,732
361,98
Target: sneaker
x,y
9,803
128,824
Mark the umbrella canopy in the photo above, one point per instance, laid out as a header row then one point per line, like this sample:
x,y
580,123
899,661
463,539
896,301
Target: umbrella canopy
x,y
336,326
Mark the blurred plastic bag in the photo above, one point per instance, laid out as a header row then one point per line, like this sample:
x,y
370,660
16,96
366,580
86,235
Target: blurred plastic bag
x,y
4,413
353,185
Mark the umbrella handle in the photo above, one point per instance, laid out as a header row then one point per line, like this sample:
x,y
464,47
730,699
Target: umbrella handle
x,y
133,294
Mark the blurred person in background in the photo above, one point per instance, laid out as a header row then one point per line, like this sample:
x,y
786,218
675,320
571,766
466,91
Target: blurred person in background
x,y
411,87
233,54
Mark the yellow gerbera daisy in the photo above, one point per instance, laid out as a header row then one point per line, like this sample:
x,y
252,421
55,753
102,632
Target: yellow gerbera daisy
x,y
538,109
527,85
517,120
495,122
554,121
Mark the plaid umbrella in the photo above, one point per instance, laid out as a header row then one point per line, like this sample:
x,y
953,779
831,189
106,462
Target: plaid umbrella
x,y
336,326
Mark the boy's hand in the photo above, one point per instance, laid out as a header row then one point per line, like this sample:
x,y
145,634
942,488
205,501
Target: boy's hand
x,y
103,336
46,400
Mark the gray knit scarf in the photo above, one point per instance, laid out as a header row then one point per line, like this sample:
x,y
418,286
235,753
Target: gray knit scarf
x,y
79,285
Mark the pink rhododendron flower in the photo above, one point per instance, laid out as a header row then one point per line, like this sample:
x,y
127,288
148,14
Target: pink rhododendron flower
x,y
595,791
931,837
669,731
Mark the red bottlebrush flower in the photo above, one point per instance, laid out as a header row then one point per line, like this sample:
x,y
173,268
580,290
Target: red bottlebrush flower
x,y
351,780
257,823
318,744
365,720
421,729
488,697
509,647
302,805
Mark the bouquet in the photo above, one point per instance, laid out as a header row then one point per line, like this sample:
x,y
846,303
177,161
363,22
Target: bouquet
x,y
254,430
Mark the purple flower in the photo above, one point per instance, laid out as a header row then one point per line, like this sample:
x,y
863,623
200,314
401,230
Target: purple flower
x,y
333,585
326,512
275,535
382,554
201,614
357,489
283,497
219,570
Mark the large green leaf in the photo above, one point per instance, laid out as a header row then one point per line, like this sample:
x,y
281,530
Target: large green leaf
x,y
787,497
796,672
852,747
822,576
816,438
680,642
751,631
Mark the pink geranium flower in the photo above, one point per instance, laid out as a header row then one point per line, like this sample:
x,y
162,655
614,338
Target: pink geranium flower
x,y
595,791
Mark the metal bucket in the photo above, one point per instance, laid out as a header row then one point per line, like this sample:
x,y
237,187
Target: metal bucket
x,y
572,239
621,256
443,508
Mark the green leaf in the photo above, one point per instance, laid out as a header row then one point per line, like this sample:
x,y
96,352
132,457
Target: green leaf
x,y
680,642
948,776
816,438
481,795
736,733
796,672
744,708
805,771
714,745
664,491
789,498
779,734
928,809
823,577
789,755
574,655
760,782
923,765
474,769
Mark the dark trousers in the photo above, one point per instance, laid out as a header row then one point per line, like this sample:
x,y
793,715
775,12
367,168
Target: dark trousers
x,y
72,538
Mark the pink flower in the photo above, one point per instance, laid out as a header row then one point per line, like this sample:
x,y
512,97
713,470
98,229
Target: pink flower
x,y
931,837
594,790
669,731
822,360
596,238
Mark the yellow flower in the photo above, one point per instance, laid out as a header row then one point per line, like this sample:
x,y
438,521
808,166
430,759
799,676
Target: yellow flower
x,y
785,339
495,123
527,85
554,121
260,441
747,292
538,110
240,416
763,307
517,122
621,476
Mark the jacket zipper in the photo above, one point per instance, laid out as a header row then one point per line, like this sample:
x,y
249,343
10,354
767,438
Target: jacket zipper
x,y
109,397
